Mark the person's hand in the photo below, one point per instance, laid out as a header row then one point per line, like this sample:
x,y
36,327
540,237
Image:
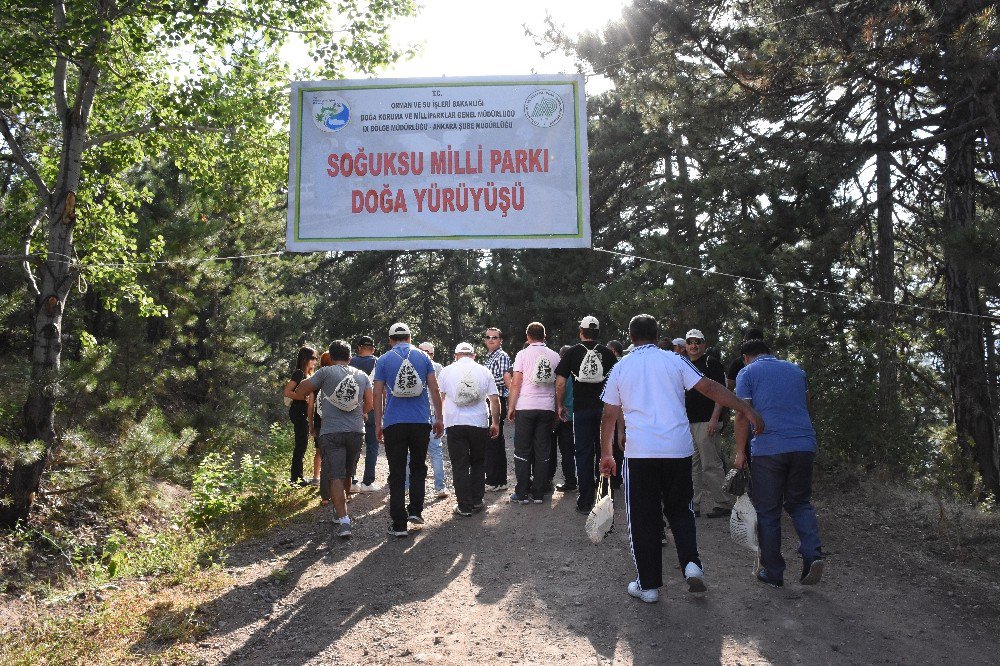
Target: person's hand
x,y
608,466
438,427
740,462
379,435
756,419
510,415
714,427
494,431
621,443
563,414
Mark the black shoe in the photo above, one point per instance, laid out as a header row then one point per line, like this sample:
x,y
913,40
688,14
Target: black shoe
x,y
580,509
398,532
718,512
812,570
697,513
762,577
566,487
476,508
416,519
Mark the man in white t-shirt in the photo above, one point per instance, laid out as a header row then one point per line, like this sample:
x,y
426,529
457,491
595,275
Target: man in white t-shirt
x,y
647,388
466,389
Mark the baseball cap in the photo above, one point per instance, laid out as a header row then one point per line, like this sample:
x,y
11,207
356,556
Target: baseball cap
x,y
399,328
464,348
694,333
426,346
590,322
678,341
364,341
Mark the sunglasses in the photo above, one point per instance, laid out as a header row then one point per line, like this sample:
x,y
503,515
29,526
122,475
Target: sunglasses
x,y
491,337
692,341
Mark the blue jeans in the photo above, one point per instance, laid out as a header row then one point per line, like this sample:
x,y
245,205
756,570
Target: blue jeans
x,y
437,462
371,449
784,479
587,441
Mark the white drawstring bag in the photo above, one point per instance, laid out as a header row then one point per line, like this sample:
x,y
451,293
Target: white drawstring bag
x,y
743,523
601,520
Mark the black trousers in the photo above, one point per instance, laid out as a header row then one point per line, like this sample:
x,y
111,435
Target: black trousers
x,y
496,453
467,450
300,421
652,486
532,435
400,439
562,447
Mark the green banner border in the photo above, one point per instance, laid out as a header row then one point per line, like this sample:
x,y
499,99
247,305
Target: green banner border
x,y
576,140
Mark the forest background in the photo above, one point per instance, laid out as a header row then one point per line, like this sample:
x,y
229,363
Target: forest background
x,y
841,159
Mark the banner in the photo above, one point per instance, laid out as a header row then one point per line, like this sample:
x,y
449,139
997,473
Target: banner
x,y
454,163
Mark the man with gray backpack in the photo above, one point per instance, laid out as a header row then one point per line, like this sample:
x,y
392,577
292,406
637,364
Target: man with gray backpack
x,y
589,364
404,376
348,396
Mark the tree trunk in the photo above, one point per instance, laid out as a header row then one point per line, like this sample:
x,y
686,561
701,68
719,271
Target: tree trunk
x,y
965,356
19,484
885,285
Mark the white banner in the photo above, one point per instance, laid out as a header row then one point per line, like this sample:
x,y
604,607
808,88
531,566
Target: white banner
x,y
463,163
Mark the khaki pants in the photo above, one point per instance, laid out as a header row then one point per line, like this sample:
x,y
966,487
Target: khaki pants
x,y
707,470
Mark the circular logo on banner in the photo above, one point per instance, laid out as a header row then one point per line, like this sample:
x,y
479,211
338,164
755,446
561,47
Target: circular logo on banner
x,y
331,114
543,108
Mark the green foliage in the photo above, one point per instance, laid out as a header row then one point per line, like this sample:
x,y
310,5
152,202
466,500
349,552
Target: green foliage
x,y
247,491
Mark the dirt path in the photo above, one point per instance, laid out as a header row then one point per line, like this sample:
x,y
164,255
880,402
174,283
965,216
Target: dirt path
x,y
521,584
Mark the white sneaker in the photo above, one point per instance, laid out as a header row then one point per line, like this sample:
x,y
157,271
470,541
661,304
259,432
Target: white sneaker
x,y
695,577
366,488
498,488
314,481
355,488
649,596
441,493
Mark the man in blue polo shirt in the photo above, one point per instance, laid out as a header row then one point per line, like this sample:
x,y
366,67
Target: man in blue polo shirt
x,y
781,473
403,423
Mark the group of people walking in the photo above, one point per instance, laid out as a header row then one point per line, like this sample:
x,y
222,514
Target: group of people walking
x,y
649,417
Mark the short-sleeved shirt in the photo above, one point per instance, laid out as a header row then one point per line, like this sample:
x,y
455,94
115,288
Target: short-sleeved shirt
x,y
365,364
335,419
778,391
699,408
498,363
649,385
734,367
298,406
476,414
535,396
404,410
585,395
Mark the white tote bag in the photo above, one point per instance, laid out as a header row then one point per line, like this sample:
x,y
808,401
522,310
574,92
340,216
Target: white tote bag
x,y
601,520
743,523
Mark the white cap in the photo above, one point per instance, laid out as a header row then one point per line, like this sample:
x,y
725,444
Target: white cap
x,y
590,322
629,348
399,328
426,346
465,348
678,341
694,333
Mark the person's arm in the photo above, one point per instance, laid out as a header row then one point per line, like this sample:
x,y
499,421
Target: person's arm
x,y
303,391
715,422
560,396
609,421
713,390
432,386
369,401
742,437
378,395
310,409
508,379
494,416
620,425
515,391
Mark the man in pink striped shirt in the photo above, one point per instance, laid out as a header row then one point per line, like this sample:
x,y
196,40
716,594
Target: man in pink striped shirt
x,y
532,408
